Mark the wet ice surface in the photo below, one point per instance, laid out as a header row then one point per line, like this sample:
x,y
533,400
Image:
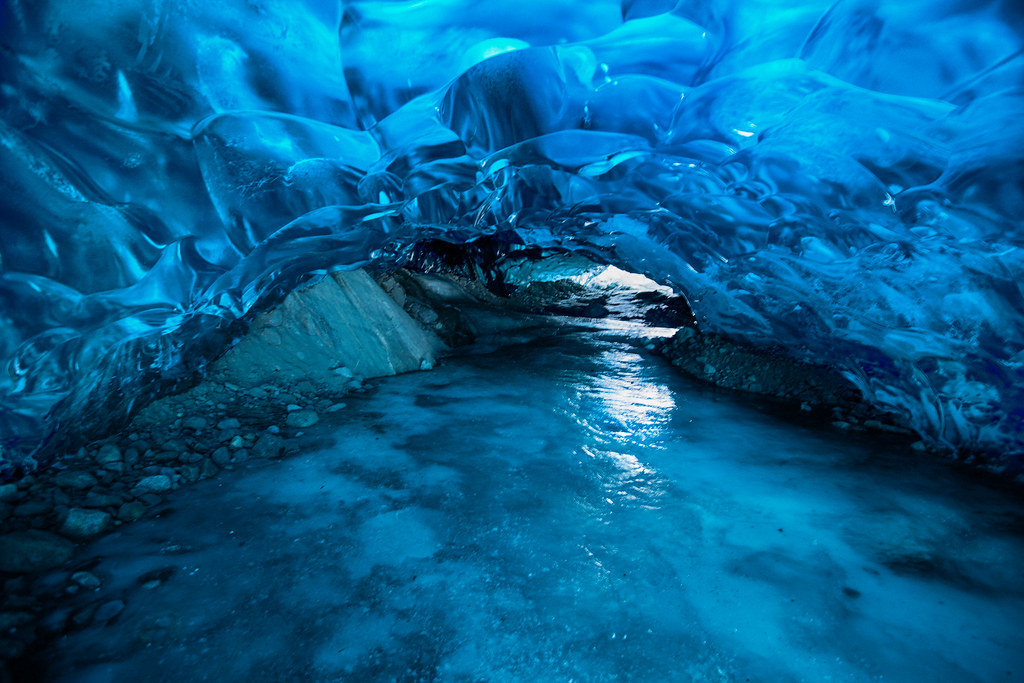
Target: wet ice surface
x,y
568,509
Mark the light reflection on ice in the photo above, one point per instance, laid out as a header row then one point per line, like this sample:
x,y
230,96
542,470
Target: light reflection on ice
x,y
501,539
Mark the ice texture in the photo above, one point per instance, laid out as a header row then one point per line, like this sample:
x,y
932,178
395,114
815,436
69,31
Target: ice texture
x,y
844,180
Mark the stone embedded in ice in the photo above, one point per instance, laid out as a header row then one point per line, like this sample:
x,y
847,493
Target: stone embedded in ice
x,y
33,550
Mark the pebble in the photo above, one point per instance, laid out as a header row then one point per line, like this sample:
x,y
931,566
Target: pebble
x,y
237,442
189,474
32,508
129,512
154,484
195,422
109,454
131,457
221,456
28,551
95,499
9,492
108,611
83,523
302,418
207,470
86,580
336,407
115,467
84,615
292,407
9,620
229,423
73,479
175,445
268,446
10,649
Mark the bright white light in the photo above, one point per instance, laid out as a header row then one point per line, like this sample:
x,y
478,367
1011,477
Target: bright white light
x,y
610,276
491,47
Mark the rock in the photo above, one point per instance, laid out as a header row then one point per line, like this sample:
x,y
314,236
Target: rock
x,y
84,523
207,470
237,442
9,493
175,445
77,480
29,551
140,445
86,580
151,499
229,423
302,418
10,649
33,508
157,483
268,446
9,620
130,512
16,585
189,474
108,611
84,615
292,407
336,407
131,457
195,422
94,499
221,456
109,454
115,467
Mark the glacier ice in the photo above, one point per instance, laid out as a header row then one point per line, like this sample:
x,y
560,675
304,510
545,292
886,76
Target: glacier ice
x,y
843,179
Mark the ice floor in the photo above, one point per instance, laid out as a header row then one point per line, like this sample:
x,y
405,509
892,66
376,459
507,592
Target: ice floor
x,y
565,510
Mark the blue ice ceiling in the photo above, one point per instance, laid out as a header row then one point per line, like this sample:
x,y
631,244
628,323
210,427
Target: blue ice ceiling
x,y
844,180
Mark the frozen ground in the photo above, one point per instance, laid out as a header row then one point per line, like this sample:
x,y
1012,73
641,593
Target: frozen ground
x,y
568,509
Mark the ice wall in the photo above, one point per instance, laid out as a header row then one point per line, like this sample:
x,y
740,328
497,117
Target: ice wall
x,y
842,179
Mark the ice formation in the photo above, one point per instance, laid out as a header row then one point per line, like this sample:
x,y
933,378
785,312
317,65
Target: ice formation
x,y
843,180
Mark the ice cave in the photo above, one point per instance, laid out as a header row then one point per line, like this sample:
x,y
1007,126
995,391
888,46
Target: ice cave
x,y
561,340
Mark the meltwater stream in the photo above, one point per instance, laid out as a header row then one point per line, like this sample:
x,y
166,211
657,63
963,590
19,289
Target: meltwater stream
x,y
568,509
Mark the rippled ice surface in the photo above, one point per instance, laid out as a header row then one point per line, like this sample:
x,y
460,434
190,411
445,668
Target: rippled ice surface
x,y
567,510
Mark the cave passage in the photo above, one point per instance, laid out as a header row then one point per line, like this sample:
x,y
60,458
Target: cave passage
x,y
562,508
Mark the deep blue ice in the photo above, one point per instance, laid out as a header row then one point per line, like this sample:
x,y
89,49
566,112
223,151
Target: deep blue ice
x,y
839,179
566,509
